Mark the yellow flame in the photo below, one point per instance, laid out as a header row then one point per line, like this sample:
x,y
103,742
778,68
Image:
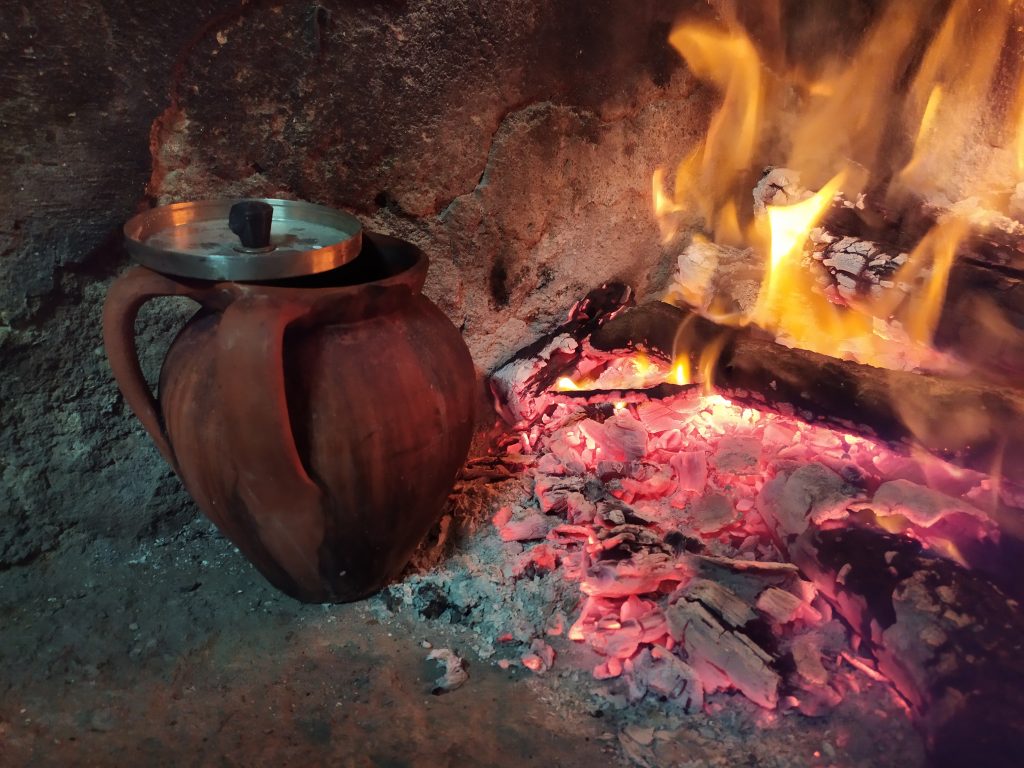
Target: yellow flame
x,y
846,117
938,251
681,373
786,279
950,89
925,131
665,208
1019,129
708,178
841,117
565,384
643,366
706,365
1020,143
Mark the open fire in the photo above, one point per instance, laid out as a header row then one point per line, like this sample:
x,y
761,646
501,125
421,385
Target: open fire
x,y
842,132
812,472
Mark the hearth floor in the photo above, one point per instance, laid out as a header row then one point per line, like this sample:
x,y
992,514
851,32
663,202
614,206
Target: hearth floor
x,y
175,652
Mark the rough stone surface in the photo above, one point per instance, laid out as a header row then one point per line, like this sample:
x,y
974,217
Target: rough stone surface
x,y
514,142
80,85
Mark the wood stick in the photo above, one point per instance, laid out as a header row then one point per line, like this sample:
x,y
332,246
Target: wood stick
x,y
519,381
970,424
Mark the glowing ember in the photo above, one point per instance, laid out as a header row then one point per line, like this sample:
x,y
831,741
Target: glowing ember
x,y
627,371
657,512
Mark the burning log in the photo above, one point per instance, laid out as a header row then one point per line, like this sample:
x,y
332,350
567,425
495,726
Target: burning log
x,y
862,248
994,241
982,315
967,423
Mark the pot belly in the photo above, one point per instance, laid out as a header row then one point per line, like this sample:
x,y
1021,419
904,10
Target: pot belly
x,y
382,416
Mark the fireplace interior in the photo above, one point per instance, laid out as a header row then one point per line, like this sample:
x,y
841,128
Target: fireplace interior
x,y
742,286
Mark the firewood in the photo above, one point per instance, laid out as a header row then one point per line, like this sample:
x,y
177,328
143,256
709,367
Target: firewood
x,y
861,246
517,382
971,424
734,611
948,639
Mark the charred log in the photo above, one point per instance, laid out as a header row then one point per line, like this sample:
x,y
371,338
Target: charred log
x,y
995,246
949,640
964,422
994,241
535,368
982,316
862,246
946,636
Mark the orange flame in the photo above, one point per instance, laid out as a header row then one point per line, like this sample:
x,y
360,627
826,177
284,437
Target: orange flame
x,y
707,179
786,279
681,371
837,126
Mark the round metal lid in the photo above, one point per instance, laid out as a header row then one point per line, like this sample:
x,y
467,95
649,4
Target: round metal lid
x,y
243,239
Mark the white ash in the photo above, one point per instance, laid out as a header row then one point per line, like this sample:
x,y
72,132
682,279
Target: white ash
x,y
975,211
778,186
717,276
455,674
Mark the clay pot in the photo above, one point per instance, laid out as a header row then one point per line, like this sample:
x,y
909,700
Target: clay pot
x,y
319,422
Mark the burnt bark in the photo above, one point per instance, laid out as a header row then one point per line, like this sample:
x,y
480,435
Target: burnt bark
x,y
982,315
992,246
535,368
968,423
982,318
948,639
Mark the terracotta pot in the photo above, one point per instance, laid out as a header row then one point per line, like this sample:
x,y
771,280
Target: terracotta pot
x,y
319,422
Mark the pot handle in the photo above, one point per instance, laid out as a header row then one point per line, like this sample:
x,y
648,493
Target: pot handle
x,y
272,482
124,300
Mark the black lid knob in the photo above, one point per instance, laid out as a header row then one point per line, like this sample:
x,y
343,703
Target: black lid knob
x,y
250,220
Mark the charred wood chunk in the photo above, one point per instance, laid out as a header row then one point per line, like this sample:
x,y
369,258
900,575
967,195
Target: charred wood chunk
x,y
951,642
658,328
518,381
860,269
723,656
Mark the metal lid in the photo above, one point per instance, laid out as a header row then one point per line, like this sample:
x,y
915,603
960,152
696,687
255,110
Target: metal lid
x,y
243,239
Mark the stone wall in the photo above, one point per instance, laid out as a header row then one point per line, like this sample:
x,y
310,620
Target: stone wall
x,y
513,141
